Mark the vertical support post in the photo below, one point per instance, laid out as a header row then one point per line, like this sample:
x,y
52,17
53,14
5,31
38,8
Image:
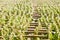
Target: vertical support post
x,y
1,37
21,37
49,31
28,38
38,38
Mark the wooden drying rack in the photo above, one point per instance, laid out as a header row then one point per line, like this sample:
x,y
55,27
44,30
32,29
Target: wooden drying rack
x,y
30,32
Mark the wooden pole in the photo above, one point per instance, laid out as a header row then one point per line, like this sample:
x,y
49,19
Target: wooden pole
x,y
38,38
28,38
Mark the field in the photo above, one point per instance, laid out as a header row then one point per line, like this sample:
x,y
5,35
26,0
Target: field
x,y
16,16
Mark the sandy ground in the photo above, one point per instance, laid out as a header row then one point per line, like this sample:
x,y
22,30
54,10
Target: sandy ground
x,y
49,2
35,2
